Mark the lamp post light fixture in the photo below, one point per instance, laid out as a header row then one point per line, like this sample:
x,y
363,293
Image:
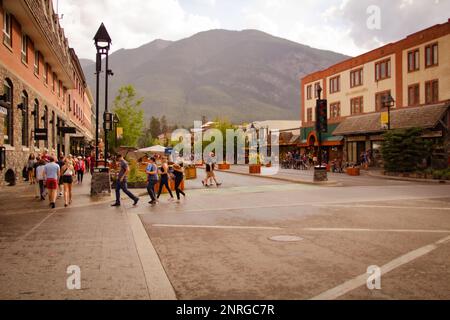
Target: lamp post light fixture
x,y
102,44
388,102
116,122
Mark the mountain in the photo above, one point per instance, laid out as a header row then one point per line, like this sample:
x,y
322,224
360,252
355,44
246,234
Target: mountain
x,y
240,75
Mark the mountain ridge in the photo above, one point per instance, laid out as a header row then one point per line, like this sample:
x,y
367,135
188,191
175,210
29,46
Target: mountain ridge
x,y
240,75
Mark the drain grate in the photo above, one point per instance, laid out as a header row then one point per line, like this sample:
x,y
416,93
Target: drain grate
x,y
286,238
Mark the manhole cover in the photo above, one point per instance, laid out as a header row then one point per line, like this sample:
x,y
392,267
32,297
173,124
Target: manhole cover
x,y
286,238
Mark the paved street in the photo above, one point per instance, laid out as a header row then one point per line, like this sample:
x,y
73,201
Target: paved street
x,y
215,244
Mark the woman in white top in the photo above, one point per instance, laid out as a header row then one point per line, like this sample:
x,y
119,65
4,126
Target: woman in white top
x,y
67,172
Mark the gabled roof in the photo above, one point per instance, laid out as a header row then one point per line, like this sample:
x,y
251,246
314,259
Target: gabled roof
x,y
426,117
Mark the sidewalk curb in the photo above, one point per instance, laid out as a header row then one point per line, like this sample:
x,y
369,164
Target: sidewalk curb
x,y
158,284
431,181
323,184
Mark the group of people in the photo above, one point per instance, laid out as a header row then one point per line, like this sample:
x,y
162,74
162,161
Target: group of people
x,y
158,170
55,176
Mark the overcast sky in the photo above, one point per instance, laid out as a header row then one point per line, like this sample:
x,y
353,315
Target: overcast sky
x,y
346,26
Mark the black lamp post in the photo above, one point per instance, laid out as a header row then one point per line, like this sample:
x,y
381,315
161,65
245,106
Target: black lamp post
x,y
116,121
319,133
388,102
102,44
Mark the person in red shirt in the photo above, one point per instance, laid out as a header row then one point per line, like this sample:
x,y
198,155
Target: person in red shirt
x,y
80,168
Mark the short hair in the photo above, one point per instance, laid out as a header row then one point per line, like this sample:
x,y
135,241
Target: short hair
x,y
153,159
51,159
118,155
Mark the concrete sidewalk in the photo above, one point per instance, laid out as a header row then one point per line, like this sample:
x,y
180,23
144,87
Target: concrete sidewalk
x,y
38,244
294,176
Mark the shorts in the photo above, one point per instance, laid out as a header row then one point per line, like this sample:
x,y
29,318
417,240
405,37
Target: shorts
x,y
52,184
67,179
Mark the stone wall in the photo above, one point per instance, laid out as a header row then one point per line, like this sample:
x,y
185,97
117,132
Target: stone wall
x,y
17,154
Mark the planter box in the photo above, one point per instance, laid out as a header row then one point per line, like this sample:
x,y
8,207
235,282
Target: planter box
x,y
254,169
353,171
224,166
269,165
190,173
171,185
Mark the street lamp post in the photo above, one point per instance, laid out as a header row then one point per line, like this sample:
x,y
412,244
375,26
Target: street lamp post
x,y
388,102
116,121
319,133
102,44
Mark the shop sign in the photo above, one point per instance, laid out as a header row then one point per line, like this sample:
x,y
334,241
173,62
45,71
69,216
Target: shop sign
x,y
384,118
3,110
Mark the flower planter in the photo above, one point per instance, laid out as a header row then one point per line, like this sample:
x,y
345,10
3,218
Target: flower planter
x,y
224,166
190,172
171,185
353,171
269,165
254,169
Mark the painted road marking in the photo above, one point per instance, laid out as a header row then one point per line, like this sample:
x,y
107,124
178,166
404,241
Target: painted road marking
x,y
377,230
158,283
360,280
380,207
213,227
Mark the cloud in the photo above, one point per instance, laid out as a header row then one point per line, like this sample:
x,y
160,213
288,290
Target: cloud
x,y
130,23
397,19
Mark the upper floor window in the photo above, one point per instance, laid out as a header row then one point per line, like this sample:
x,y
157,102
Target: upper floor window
x,y
431,55
46,73
335,84
309,115
432,91
357,105
36,62
383,70
413,60
316,88
7,39
356,78
335,110
54,82
309,92
24,51
414,95
380,97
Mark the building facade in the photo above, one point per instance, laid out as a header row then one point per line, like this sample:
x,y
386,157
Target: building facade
x,y
43,86
414,71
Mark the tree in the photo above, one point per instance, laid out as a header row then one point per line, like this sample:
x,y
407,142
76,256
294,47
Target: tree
x,y
164,125
404,150
131,116
155,127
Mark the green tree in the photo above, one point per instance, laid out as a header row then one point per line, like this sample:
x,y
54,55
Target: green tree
x,y
403,150
164,125
131,116
155,127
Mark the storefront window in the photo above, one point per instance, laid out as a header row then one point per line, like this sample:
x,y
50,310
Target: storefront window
x,y
9,120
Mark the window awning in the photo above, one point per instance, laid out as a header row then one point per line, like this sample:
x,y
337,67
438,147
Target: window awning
x,y
426,117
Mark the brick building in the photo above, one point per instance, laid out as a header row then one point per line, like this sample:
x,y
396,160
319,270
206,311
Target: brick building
x,y
414,71
43,86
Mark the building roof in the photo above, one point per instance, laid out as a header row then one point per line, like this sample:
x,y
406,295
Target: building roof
x,y
426,117
292,126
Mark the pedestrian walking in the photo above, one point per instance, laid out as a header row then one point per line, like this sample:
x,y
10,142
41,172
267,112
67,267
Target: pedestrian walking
x,y
152,179
210,175
67,175
52,173
80,168
30,169
40,177
164,182
178,172
60,163
122,183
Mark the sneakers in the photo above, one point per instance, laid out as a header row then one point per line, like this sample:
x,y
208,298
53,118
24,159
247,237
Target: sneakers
x,y
135,201
52,205
218,185
115,205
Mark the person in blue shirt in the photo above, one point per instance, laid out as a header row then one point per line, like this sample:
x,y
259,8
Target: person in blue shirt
x,y
152,178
